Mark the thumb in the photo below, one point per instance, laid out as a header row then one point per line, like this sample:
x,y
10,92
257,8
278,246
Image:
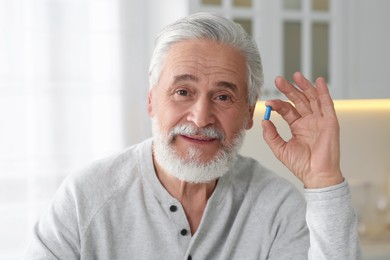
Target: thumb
x,y
272,138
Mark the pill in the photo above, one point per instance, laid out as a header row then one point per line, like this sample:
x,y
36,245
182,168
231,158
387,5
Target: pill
x,y
267,113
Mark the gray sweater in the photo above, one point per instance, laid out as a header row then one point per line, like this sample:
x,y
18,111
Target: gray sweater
x,y
117,209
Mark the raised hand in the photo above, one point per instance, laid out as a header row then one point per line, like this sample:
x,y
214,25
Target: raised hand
x,y
313,151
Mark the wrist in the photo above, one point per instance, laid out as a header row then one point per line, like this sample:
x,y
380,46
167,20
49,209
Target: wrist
x,y
324,180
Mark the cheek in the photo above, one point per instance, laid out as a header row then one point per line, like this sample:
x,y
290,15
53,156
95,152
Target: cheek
x,y
233,127
169,116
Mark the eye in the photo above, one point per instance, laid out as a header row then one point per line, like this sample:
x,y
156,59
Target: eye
x,y
223,98
182,92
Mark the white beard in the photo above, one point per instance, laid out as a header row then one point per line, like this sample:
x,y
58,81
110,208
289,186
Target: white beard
x,y
191,168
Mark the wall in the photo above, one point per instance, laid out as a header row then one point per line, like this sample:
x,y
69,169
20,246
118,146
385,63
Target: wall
x,y
162,13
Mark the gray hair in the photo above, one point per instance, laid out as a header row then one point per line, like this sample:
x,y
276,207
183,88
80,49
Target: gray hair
x,y
209,27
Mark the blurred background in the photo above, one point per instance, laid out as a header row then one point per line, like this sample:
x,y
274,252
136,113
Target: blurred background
x,y
74,80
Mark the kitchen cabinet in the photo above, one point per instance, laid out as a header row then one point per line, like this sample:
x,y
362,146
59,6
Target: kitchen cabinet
x,y
367,49
346,41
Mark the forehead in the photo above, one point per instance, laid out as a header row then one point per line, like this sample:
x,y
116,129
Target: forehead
x,y
206,58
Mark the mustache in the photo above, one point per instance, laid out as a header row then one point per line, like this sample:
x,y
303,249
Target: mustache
x,y
189,129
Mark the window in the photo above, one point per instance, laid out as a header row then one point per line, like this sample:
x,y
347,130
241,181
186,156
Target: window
x,y
64,99
306,38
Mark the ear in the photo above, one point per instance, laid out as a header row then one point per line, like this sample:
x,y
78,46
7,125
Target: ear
x,y
150,102
251,111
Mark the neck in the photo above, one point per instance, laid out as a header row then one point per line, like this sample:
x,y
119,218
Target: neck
x,y
192,196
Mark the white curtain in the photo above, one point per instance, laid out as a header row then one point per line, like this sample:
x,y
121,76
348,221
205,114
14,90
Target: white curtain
x,y
73,86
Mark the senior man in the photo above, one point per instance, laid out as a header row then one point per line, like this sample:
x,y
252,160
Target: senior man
x,y
186,193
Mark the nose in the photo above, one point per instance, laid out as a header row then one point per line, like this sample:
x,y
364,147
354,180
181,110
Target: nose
x,y
201,113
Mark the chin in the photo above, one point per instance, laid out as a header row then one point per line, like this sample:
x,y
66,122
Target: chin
x,y
195,166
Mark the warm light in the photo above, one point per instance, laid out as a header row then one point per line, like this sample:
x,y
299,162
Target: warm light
x,y
362,104
351,104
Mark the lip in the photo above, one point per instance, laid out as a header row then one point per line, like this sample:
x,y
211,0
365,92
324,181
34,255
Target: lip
x,y
198,139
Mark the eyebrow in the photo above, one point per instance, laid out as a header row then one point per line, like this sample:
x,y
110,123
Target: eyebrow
x,y
228,85
190,77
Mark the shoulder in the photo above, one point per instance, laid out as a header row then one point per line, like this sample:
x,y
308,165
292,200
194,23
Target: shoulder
x,y
89,189
111,172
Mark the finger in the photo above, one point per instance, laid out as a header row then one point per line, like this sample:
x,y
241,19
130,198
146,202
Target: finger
x,y
327,104
296,96
309,91
285,109
272,138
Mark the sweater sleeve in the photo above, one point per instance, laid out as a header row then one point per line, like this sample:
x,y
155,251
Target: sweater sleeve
x,y
332,223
